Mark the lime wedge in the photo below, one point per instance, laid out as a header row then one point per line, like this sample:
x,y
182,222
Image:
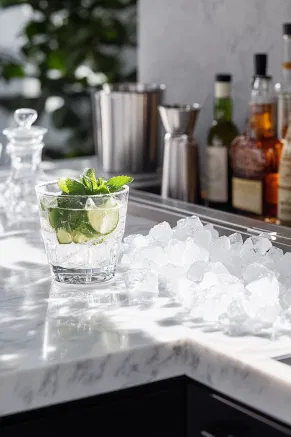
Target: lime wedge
x,y
104,218
63,236
53,216
78,237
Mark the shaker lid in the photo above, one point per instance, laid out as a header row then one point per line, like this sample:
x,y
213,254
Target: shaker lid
x,y
24,118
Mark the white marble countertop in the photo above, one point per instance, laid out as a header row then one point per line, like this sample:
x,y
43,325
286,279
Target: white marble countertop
x,y
57,344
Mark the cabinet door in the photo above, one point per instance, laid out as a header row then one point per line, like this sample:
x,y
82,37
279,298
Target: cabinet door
x,y
212,415
153,411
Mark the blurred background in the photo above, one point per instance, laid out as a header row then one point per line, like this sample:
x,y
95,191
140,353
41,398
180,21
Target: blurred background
x,y
53,53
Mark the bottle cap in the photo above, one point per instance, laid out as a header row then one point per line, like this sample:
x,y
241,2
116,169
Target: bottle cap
x,y
287,29
260,64
223,77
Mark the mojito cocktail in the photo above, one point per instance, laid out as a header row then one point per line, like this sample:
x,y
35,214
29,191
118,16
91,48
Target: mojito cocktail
x,y
82,225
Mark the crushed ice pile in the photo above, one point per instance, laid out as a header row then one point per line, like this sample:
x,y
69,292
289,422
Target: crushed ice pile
x,y
238,287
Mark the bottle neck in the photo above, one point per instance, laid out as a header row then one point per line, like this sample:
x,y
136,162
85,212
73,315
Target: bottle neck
x,y
286,63
223,109
261,109
261,121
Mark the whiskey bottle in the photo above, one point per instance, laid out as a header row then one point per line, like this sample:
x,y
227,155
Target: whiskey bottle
x,y
284,95
220,136
255,155
284,192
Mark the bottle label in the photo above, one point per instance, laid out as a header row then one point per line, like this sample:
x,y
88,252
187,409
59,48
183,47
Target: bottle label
x,y
247,161
284,204
284,105
247,195
217,174
284,192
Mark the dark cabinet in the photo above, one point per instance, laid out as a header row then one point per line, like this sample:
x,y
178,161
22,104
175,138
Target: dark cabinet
x,y
178,407
153,410
213,415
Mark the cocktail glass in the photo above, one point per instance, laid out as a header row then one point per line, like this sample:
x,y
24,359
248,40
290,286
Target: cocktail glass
x,y
82,234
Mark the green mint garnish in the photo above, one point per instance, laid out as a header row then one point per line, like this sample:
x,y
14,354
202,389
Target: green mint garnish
x,y
71,186
88,179
117,182
89,184
72,221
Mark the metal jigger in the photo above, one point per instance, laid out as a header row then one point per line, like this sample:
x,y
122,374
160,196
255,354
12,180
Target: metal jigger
x,y
180,166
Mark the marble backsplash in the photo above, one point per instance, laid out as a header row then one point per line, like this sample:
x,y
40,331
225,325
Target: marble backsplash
x,y
183,43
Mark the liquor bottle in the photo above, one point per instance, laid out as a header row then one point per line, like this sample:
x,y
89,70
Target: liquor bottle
x,y
255,155
284,95
220,136
284,192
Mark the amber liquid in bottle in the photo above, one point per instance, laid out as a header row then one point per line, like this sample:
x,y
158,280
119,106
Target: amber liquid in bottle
x,y
255,161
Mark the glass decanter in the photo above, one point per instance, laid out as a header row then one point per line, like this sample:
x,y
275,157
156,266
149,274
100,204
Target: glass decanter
x,y
24,147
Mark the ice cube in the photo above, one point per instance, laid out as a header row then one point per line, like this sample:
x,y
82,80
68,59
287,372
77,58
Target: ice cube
x,y
234,265
274,254
134,241
262,302
170,271
182,253
214,232
196,271
184,291
284,296
282,324
236,241
256,271
161,233
203,255
213,303
142,286
284,266
259,244
269,235
219,249
210,279
125,260
203,238
154,254
167,274
174,252
187,227
218,268
90,204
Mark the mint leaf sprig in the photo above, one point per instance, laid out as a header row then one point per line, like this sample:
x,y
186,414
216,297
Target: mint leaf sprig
x,y
90,185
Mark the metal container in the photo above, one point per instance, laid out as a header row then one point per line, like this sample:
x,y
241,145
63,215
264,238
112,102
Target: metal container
x,y
126,126
180,166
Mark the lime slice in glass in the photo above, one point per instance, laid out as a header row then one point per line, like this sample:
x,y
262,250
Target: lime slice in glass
x,y
63,236
78,237
104,218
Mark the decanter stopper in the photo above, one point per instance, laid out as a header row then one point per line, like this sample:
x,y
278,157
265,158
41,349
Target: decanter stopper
x,y
25,117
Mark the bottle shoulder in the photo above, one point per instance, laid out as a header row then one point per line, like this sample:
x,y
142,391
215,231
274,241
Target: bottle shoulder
x,y
223,131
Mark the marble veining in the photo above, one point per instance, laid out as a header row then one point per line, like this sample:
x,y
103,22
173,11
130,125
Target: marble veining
x,y
58,343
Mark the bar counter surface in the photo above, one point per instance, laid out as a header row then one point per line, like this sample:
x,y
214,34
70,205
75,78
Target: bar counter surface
x,y
58,344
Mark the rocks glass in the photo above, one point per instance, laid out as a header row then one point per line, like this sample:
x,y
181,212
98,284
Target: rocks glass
x,y
82,234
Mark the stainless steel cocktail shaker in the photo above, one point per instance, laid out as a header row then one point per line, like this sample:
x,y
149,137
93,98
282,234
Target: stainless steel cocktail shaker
x,y
126,126
180,164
